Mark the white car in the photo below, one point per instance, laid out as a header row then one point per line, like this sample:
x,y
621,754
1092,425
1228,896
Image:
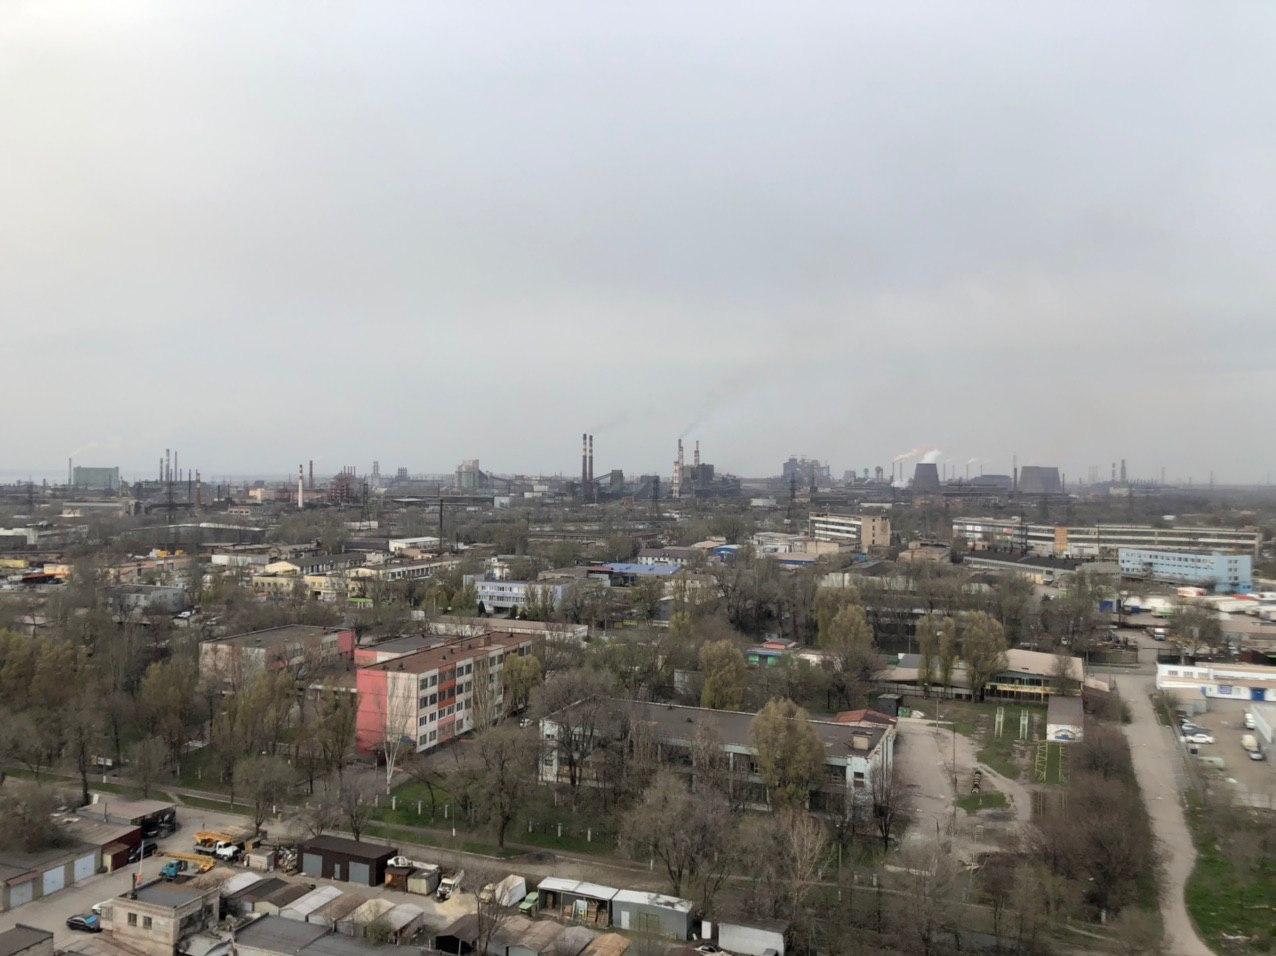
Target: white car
x,y
1249,720
1200,738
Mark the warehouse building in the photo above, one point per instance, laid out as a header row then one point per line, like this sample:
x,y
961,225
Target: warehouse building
x,y
1098,541
336,858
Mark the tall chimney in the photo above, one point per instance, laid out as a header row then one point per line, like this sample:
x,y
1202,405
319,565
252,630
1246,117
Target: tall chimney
x,y
696,460
199,490
312,474
584,462
69,478
301,493
591,459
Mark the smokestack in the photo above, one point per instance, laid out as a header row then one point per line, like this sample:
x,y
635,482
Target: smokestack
x,y
696,460
1123,476
301,493
584,462
1014,472
69,480
199,490
591,459
312,474
168,467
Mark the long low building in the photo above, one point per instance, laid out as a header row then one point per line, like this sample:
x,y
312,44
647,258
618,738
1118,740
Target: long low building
x,y
1099,540
853,752
1227,681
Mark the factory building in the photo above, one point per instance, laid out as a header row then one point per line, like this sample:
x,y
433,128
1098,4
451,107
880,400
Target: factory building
x,y
1222,573
95,479
1098,541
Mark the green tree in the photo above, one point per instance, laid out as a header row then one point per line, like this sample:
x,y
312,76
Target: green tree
x,y
983,650
498,774
147,757
726,676
790,753
520,676
847,638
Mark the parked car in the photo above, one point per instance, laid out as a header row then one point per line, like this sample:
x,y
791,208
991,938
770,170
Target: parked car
x,y
86,923
1159,634
1199,738
1249,720
1256,754
1189,728
144,849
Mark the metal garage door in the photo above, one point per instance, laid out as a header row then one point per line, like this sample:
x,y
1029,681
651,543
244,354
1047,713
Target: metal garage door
x,y
53,880
21,893
312,864
85,867
359,873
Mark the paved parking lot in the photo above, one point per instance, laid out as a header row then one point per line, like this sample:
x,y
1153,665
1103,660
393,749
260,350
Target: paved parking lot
x,y
1252,778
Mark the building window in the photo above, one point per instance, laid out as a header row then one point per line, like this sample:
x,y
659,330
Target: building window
x,y
146,922
132,919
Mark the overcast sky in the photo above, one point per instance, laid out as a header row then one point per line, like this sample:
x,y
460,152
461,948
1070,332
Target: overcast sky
x,y
421,232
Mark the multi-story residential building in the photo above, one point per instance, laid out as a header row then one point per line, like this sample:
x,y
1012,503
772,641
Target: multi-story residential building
x,y
428,697
1224,573
854,753
1100,540
861,532
294,646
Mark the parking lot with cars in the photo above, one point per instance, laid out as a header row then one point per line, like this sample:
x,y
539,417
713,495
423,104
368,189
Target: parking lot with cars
x,y
1225,723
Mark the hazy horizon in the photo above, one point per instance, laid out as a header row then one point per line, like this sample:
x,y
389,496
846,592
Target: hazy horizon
x,y
264,233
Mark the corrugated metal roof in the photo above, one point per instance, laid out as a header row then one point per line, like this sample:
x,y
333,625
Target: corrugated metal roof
x,y
643,898
303,906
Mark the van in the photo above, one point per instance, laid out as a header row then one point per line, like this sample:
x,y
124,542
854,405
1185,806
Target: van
x,y
1159,634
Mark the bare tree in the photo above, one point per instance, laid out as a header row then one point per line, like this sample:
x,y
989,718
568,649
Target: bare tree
x,y
147,757
498,773
927,898
265,781
889,797
354,798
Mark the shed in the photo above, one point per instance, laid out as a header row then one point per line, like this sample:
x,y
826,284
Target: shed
x,y
756,938
282,898
651,913
25,940
302,907
1065,721
537,939
340,859
424,880
459,937
396,877
240,881
404,921
587,903
272,936
335,910
357,920
573,940
242,901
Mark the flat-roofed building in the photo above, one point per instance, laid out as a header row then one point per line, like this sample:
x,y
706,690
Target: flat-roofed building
x,y
853,753
157,915
25,940
860,532
291,647
1098,540
1223,573
431,696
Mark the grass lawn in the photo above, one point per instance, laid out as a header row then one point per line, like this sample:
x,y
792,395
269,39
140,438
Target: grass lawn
x,y
1006,754
987,799
537,824
1232,891
221,805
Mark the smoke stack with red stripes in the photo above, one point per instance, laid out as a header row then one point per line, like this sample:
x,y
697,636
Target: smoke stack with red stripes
x,y
591,460
584,462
